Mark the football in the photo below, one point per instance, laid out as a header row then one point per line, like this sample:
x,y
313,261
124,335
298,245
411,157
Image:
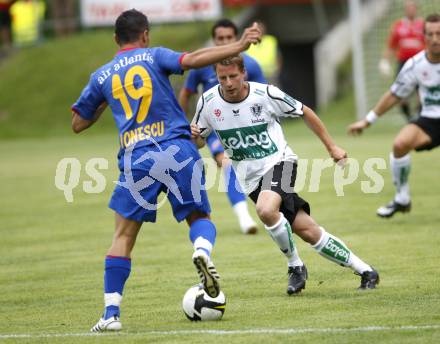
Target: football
x,y
199,306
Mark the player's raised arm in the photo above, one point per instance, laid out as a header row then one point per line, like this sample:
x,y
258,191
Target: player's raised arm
x,y
206,56
387,101
316,125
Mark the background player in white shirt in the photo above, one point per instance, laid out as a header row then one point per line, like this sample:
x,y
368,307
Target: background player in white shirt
x,y
422,71
245,116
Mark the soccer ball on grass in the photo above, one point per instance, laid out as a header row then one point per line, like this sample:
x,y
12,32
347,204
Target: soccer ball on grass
x,y
199,306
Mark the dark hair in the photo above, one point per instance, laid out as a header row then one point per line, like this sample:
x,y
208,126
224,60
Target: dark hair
x,y
432,18
224,23
234,60
129,25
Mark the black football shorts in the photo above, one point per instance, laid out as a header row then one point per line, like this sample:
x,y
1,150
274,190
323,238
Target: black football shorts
x,y
281,179
431,126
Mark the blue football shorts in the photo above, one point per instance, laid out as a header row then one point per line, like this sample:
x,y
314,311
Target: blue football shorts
x,y
173,167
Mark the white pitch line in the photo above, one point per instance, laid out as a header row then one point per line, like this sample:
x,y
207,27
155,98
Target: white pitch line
x,y
231,332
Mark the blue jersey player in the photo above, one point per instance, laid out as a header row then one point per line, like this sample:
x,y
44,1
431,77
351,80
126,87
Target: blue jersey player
x,y
224,32
156,151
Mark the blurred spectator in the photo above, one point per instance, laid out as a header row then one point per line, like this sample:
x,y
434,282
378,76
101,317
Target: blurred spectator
x,y
406,39
267,55
5,25
64,16
27,17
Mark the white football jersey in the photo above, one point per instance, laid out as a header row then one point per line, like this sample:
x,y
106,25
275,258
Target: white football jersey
x,y
419,72
249,130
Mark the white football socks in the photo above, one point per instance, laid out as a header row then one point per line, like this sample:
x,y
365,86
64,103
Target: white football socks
x,y
400,168
112,299
334,249
245,219
282,234
202,244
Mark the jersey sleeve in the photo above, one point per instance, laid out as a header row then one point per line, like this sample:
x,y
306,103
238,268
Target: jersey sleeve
x,y
192,81
406,81
254,71
200,118
169,60
283,104
90,99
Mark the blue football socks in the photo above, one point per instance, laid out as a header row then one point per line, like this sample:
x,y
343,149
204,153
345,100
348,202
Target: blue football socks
x,y
117,270
202,234
235,194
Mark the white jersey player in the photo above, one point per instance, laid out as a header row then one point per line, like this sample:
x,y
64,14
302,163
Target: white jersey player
x,y
245,116
421,72
250,131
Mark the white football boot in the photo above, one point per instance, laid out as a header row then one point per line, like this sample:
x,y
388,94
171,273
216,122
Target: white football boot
x,y
247,224
111,324
207,273
393,207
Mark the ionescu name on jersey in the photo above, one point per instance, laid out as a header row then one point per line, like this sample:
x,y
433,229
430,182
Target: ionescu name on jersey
x,y
144,133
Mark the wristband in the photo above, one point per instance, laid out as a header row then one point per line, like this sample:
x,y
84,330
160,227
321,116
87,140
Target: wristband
x,y
371,117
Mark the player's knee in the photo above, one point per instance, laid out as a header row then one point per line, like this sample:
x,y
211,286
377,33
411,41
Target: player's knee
x,y
196,215
400,147
267,213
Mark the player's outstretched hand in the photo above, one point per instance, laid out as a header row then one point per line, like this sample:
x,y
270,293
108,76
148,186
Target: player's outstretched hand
x,y
251,35
195,131
357,127
338,154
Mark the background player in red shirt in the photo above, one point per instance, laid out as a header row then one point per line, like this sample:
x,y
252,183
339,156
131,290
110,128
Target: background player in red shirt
x,y
406,39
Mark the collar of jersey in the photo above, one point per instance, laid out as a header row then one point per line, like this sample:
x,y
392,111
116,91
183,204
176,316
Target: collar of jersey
x,y
239,101
125,49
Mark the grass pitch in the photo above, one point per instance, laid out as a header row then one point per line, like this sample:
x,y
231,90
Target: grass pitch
x,y
53,251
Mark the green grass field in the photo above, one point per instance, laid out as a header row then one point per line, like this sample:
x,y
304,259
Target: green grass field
x,y
52,256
